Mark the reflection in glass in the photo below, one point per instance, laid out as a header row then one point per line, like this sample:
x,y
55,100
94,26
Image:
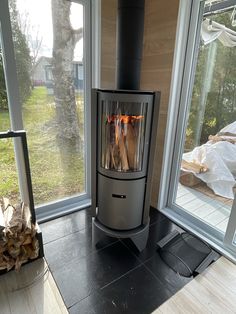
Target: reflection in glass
x,y
123,126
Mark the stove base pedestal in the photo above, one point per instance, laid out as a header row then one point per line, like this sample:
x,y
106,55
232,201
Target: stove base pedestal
x,y
138,236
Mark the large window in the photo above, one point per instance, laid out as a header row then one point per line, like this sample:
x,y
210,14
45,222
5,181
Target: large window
x,y
51,47
208,165
200,191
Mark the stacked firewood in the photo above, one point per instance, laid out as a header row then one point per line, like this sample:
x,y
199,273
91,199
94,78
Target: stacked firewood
x,y
18,240
193,166
220,138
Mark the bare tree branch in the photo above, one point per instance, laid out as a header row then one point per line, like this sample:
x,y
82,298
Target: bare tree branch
x,y
77,34
35,46
32,35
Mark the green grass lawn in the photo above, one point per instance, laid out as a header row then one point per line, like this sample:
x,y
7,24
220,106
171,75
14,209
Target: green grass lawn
x,y
52,178
4,121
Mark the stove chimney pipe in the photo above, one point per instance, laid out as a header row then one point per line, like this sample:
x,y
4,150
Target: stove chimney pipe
x,y
130,25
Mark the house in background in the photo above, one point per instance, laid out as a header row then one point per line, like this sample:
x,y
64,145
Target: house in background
x,y
42,74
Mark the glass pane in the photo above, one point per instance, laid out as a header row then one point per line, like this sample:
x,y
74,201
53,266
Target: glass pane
x,y
4,114
208,169
48,42
8,174
123,130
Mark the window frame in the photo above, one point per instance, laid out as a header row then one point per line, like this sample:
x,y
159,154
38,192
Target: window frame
x,y
91,64
185,58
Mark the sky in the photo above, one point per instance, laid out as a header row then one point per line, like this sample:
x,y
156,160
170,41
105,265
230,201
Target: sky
x,y
38,15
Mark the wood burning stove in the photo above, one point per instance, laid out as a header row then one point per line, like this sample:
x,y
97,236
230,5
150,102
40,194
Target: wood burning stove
x,y
124,124
124,127
124,121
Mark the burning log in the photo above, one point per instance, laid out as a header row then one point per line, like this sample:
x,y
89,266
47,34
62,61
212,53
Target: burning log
x,y
122,134
131,140
18,241
219,138
123,154
115,157
193,166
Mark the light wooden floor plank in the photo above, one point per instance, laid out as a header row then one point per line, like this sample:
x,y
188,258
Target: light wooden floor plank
x,y
208,298
183,303
214,285
214,291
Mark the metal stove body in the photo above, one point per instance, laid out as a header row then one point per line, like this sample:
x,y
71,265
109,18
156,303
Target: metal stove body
x,y
124,125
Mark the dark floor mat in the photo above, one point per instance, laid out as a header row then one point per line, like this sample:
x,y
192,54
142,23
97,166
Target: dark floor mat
x,y
185,253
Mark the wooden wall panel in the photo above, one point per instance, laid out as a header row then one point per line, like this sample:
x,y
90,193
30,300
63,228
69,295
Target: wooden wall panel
x,y
158,52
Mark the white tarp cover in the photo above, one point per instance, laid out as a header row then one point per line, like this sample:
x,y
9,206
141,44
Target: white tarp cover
x,y
220,159
211,31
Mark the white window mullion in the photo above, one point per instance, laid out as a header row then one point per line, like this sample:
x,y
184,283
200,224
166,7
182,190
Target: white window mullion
x,y
10,68
231,228
177,72
87,91
96,43
13,93
182,78
187,80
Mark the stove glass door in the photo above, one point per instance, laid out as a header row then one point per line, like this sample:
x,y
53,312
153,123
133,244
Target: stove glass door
x,y
123,135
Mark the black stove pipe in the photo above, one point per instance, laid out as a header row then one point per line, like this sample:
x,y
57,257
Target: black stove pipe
x,y
130,25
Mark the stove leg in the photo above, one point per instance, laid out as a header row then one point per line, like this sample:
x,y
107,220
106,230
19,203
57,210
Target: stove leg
x,y
97,234
140,239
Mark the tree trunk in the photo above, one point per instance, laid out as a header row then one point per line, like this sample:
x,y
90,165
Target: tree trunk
x,y
64,41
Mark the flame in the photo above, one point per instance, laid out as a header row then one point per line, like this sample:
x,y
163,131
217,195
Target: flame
x,y
117,133
123,118
120,120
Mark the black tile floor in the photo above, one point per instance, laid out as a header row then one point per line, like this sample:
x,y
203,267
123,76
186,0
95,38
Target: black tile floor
x,y
112,278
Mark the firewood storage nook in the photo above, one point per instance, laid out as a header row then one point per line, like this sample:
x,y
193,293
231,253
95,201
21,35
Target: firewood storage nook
x,y
20,236
124,125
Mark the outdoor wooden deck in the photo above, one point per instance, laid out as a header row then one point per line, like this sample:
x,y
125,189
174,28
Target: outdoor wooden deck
x,y
203,204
